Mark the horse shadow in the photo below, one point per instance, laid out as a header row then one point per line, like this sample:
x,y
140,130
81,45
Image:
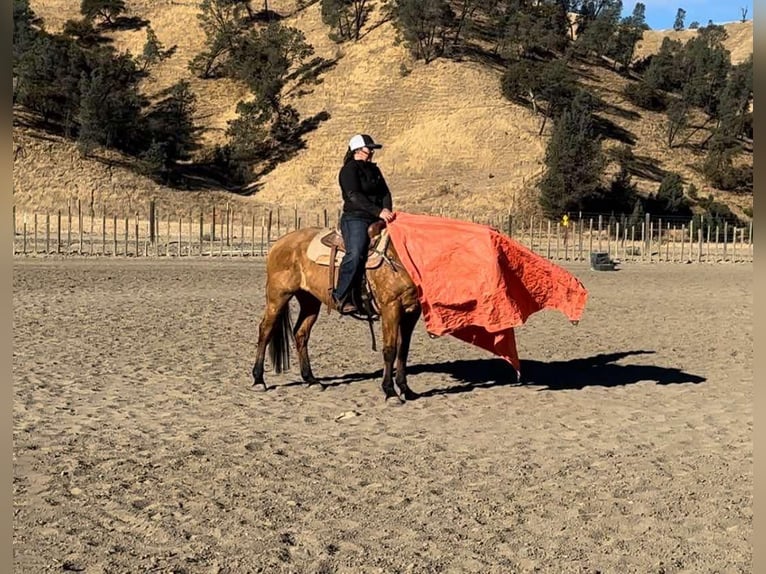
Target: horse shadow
x,y
599,370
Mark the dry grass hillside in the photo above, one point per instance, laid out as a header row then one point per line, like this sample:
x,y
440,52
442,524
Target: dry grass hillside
x,y
452,143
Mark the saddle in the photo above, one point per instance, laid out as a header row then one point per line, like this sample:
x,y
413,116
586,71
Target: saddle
x,y
328,246
327,249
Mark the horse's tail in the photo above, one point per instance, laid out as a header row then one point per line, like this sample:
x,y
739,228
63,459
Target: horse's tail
x,y
282,335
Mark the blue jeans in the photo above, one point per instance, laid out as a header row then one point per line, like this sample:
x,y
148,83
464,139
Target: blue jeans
x,y
357,242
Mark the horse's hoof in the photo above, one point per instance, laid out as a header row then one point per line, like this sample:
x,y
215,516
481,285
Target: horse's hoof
x,y
410,395
261,384
396,399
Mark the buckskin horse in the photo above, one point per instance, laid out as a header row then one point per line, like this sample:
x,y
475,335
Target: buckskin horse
x,y
301,264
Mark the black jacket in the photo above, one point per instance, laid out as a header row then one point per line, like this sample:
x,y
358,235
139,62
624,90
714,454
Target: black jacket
x,y
365,192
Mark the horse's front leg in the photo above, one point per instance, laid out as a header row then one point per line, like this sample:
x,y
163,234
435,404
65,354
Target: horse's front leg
x,y
406,327
390,316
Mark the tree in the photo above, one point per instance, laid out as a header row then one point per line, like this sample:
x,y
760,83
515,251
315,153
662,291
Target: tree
x,y
345,17
530,29
108,10
597,34
83,32
670,199
703,68
530,81
170,122
573,160
26,28
247,133
154,51
629,33
221,21
48,76
424,26
735,100
678,118
109,106
678,23
664,71
623,193
263,58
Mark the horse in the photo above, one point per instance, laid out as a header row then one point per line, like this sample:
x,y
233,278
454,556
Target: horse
x,y
291,273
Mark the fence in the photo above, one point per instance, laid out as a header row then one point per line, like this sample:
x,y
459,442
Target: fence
x,y
231,232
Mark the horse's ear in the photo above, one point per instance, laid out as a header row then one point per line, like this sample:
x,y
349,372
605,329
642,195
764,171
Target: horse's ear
x,y
376,229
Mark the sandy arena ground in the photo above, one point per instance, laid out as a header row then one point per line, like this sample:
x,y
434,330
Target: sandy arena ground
x,y
140,446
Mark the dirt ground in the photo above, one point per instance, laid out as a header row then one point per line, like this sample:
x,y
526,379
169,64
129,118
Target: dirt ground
x,y
140,445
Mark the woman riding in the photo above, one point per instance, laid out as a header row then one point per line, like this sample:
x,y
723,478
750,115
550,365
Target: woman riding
x,y
366,199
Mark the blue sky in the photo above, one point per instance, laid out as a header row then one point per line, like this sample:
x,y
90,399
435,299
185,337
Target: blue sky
x,y
660,14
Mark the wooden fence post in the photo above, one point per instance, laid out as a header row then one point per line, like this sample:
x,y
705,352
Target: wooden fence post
x,y
609,237
79,225
683,242
633,241
168,235
699,251
263,234
667,244
136,230
47,232
691,240
590,236
114,234
103,231
600,225
35,224
252,235
268,231
725,238
152,221
242,235
548,240
69,229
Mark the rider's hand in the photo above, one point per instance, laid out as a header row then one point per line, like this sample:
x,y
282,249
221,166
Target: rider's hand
x,y
386,215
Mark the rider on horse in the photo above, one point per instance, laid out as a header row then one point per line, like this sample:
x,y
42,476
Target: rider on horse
x,y
366,199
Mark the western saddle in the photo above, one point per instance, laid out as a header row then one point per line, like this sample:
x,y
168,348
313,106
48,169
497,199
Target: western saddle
x,y
327,249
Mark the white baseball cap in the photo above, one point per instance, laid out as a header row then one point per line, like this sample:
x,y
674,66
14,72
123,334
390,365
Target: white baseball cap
x,y
362,140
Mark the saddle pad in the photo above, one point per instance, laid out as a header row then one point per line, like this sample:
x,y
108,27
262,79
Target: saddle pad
x,y
319,253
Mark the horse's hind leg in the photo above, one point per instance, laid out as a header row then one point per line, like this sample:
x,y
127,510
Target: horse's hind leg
x,y
406,327
309,312
276,301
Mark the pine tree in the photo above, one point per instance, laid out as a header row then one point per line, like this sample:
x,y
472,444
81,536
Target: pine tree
x,y
574,161
678,23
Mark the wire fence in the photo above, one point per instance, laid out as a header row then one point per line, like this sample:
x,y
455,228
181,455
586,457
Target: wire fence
x,y
241,232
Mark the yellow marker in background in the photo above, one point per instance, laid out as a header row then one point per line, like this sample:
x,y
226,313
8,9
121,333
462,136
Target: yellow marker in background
x,y
565,220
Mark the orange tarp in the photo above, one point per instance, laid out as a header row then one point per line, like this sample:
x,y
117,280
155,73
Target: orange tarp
x,y
477,284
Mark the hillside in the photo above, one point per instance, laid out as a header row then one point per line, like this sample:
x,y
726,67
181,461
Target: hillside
x,y
452,143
